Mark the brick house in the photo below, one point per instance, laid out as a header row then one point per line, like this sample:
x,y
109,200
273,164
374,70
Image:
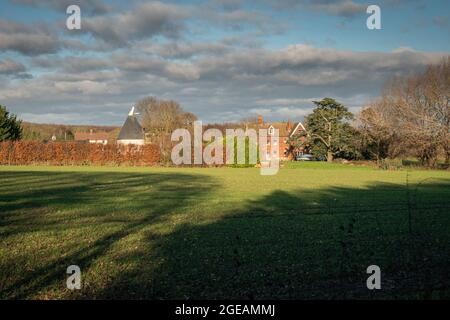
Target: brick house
x,y
285,131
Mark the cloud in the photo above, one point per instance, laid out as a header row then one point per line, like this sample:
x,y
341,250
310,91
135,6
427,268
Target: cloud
x,y
228,5
222,87
72,65
175,71
185,50
87,6
27,39
310,66
343,8
9,66
240,19
87,87
145,21
285,101
441,21
281,112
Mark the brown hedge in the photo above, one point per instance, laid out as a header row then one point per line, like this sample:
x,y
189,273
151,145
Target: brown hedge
x,y
75,153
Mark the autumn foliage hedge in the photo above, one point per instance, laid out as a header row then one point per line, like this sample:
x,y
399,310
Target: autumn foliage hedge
x,y
76,153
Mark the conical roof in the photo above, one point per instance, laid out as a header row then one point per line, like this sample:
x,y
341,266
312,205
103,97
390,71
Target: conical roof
x,y
131,129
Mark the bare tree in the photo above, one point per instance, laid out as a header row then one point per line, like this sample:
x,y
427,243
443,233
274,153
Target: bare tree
x,y
415,112
160,118
375,123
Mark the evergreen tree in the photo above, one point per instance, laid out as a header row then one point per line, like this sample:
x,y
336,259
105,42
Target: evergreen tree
x,y
329,131
10,127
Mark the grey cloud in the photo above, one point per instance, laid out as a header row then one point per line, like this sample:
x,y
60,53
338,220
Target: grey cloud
x,y
238,19
307,65
27,39
344,8
228,5
72,65
144,21
441,21
216,88
9,66
87,6
13,69
185,50
159,67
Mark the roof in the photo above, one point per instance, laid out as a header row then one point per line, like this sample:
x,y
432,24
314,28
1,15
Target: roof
x,y
84,136
299,126
131,129
285,129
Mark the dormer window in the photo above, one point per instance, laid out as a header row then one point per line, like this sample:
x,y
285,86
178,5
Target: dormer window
x,y
271,130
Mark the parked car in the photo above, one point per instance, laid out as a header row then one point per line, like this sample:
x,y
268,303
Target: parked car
x,y
304,157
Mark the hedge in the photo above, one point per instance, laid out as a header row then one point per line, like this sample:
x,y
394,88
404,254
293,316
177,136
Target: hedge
x,y
76,153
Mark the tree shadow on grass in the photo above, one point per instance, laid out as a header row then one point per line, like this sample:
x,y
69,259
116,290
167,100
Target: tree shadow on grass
x,y
132,238
116,205
296,245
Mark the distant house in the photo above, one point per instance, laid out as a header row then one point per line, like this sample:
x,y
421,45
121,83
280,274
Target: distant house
x,y
92,137
286,130
132,131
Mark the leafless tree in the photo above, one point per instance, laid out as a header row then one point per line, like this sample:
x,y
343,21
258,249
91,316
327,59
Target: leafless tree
x,y
160,118
413,115
377,137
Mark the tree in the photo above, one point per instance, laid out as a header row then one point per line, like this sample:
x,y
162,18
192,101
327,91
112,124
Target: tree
x,y
10,127
298,143
412,117
377,136
160,118
329,132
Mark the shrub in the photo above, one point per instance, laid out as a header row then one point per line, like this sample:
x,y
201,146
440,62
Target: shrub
x,y
75,153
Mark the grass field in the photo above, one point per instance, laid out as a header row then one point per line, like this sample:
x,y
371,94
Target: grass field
x,y
309,232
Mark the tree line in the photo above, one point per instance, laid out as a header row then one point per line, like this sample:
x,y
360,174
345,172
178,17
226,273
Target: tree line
x,y
409,119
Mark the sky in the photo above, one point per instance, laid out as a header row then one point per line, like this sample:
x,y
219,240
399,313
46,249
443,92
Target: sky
x,y
223,60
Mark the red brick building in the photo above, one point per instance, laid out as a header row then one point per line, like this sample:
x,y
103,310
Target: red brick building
x,y
286,130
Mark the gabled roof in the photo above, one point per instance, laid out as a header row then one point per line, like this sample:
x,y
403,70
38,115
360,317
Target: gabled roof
x,y
299,126
131,129
284,128
85,136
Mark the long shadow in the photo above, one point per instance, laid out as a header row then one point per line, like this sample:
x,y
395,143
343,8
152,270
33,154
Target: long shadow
x,y
128,202
285,246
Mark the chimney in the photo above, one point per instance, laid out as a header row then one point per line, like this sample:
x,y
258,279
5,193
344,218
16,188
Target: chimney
x,y
260,120
91,131
289,126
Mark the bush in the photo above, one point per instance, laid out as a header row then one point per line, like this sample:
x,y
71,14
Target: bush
x,y
75,153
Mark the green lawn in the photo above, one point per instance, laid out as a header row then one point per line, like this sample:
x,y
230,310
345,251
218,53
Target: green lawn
x,y
309,232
